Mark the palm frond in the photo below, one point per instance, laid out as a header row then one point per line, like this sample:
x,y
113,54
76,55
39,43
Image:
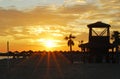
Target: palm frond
x,y
66,38
73,37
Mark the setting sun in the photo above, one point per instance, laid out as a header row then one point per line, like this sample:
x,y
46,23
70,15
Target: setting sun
x,y
50,44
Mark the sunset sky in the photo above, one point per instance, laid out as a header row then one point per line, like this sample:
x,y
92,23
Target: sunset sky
x,y
35,24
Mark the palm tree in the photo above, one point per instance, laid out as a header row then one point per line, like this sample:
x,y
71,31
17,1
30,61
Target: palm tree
x,y
116,37
70,41
116,43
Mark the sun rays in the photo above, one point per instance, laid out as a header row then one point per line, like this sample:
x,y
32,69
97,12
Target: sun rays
x,y
52,64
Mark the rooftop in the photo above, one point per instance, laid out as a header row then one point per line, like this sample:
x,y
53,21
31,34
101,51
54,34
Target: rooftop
x,y
98,24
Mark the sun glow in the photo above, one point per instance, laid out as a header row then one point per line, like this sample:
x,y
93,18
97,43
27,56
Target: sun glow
x,y
50,44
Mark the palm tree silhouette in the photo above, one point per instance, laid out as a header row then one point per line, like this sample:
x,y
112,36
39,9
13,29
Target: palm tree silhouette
x,y
116,37
116,43
70,41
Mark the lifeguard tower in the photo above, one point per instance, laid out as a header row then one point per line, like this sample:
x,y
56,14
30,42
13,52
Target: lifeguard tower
x,y
99,40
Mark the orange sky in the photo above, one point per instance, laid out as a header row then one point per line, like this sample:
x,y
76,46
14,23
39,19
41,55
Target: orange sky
x,y
30,26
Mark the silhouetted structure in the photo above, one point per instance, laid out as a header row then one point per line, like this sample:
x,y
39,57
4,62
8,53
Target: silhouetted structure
x,y
99,41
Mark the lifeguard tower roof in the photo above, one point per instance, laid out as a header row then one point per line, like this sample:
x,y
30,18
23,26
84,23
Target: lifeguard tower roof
x,y
98,24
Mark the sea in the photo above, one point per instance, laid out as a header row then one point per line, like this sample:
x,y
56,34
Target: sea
x,y
5,57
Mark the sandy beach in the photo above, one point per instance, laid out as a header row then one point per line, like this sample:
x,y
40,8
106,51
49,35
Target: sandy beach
x,y
56,66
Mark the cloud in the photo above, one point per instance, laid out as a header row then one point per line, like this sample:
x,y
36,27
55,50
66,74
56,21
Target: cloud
x,y
55,22
77,9
74,2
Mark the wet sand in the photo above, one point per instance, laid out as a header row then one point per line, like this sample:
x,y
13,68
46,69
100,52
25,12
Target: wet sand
x,y
56,66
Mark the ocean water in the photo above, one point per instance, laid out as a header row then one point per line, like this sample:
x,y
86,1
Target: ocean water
x,y
5,57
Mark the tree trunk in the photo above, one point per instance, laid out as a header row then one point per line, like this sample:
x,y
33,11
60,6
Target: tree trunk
x,y
70,47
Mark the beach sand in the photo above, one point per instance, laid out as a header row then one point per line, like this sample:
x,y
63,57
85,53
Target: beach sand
x,y
56,66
